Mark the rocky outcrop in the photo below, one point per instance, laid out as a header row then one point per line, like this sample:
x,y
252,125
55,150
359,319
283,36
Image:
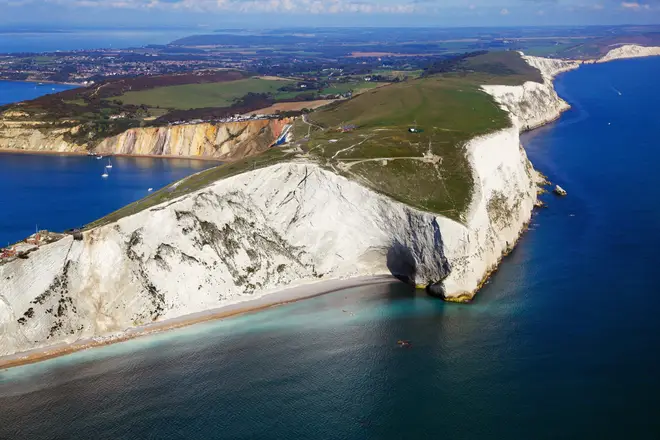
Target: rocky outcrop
x,y
533,104
629,51
222,141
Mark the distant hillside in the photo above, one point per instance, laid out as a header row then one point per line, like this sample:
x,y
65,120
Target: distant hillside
x,y
504,67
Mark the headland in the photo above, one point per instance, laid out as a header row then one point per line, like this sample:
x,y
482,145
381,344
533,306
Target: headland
x,y
253,228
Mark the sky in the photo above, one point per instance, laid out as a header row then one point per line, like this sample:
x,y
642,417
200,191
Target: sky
x,y
214,14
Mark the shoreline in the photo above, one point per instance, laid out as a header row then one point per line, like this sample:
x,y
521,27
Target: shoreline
x,y
80,153
43,81
287,295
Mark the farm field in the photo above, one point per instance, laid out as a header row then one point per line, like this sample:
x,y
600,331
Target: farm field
x,y
222,94
292,106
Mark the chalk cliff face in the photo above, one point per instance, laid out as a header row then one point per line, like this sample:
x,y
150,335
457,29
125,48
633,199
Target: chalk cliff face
x,y
630,51
221,141
266,229
534,104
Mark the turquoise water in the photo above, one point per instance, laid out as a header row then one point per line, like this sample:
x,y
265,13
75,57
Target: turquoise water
x,y
562,343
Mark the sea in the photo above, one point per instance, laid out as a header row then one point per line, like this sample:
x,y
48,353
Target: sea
x,y
16,91
38,41
562,343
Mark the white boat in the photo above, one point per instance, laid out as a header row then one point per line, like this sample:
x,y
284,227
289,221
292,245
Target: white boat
x,y
105,174
99,157
109,165
150,189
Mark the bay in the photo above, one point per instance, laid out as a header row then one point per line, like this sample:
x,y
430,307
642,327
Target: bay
x,y
58,192
16,91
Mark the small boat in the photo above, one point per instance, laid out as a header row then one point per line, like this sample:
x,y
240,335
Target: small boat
x,y
109,165
150,189
105,174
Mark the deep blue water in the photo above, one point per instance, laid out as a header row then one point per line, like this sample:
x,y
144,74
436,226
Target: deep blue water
x,y
62,192
15,91
562,343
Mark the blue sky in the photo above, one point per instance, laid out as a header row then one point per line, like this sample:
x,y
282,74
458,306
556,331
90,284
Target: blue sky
x,y
277,13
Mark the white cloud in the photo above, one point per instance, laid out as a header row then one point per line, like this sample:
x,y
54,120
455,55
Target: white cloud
x,y
256,6
634,6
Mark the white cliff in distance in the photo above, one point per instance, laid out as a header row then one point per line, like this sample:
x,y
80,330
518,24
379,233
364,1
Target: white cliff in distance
x,y
534,104
629,51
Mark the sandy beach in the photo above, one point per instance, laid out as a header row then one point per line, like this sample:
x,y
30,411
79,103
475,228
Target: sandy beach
x,y
267,300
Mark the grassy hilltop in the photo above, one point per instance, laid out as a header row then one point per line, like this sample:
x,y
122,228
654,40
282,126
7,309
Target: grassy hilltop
x,y
427,170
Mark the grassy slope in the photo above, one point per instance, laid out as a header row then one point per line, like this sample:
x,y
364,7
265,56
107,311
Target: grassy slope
x,y
428,170
383,154
202,95
501,68
355,87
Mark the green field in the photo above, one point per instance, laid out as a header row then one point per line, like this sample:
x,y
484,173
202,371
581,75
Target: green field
x,y
188,96
505,68
355,87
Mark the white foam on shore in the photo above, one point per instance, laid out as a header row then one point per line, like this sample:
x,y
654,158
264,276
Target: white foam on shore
x,y
232,317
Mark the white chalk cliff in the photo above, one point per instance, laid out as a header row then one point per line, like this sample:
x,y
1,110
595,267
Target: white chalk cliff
x,y
629,51
267,229
534,104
